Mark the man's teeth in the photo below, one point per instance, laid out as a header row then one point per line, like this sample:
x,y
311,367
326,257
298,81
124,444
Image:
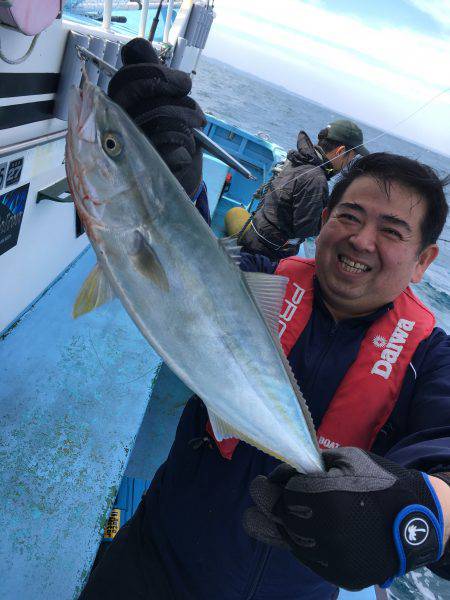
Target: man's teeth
x,y
351,266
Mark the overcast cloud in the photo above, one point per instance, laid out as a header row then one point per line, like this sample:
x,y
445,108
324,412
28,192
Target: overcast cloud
x,y
378,67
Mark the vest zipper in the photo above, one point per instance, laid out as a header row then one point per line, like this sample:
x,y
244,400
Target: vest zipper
x,y
331,335
261,563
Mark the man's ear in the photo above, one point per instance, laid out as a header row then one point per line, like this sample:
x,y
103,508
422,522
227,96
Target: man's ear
x,y
325,215
340,150
424,260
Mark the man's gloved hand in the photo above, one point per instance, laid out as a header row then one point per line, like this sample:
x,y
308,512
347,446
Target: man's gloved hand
x,y
363,521
156,98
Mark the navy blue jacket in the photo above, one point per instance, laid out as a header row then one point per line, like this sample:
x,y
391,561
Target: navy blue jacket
x,y
194,507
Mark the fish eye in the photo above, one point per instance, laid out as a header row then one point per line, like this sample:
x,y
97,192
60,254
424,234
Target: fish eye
x,y
112,144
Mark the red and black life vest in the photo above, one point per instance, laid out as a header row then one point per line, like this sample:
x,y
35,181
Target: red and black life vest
x,y
369,390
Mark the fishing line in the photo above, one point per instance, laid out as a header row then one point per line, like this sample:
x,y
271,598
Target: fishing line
x,y
95,351
119,382
377,137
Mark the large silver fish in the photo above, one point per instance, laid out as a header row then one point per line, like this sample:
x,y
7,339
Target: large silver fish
x,y
215,326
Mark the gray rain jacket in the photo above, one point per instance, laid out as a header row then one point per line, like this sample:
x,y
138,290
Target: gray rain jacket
x,y
291,205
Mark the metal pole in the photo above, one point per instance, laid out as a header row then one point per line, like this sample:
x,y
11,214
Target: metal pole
x,y
38,141
107,10
155,22
144,15
168,22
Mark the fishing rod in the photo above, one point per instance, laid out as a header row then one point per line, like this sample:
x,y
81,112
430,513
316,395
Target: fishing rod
x,y
155,22
204,141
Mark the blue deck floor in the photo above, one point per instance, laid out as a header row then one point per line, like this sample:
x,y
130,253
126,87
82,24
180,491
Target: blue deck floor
x,y
73,396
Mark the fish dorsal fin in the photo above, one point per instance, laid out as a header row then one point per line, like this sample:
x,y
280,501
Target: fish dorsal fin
x,y
95,291
268,291
230,246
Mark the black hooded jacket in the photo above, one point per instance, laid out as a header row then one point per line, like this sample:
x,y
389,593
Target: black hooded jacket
x,y
291,205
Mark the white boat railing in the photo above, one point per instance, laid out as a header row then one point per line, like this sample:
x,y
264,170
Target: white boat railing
x,y
168,22
32,143
144,15
107,12
105,8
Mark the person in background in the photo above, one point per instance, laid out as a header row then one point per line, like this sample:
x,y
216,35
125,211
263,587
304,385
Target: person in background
x,y
157,99
375,372
292,203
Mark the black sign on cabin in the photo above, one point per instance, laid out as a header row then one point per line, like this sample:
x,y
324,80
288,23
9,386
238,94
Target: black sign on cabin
x,y
14,172
12,206
3,167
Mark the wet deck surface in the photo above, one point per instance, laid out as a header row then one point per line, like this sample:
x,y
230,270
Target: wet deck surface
x,y
73,396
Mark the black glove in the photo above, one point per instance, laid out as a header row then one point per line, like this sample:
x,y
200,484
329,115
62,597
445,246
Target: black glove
x,y
363,521
156,98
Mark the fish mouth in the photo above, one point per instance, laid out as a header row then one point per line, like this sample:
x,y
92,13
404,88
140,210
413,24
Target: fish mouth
x,y
81,137
83,107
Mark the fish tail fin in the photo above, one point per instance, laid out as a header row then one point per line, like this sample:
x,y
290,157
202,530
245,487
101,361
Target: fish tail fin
x,y
95,291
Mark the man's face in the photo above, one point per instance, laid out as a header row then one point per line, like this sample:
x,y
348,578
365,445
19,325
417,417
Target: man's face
x,y
340,158
368,250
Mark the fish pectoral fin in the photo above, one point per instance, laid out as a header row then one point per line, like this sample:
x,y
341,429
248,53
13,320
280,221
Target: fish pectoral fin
x,y
221,429
95,291
268,291
230,247
146,260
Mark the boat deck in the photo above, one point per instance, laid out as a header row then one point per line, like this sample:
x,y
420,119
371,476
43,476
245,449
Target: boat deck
x,y
76,393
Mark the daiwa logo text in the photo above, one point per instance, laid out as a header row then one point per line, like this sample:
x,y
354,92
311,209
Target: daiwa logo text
x,y
391,351
291,307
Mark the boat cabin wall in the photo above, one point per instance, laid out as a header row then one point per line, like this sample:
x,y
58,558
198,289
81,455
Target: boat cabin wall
x,y
27,89
37,240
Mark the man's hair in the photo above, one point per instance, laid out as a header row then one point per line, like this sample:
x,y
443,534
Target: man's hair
x,y
389,168
326,144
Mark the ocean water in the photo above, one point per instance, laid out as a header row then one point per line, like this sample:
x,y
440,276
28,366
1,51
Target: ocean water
x,y
258,106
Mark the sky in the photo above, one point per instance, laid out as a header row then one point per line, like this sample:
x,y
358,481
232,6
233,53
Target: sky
x,y
375,60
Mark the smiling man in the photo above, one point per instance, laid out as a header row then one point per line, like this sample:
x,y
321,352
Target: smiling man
x,y
375,373
371,248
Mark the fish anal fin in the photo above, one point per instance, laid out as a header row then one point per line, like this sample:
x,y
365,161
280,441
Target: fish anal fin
x,y
268,292
221,429
95,291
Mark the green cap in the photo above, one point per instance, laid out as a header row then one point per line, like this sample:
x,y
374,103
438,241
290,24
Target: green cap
x,y
349,134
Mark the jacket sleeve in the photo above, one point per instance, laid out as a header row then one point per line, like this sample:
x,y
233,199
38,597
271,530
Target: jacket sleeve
x,y
310,196
426,445
256,263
